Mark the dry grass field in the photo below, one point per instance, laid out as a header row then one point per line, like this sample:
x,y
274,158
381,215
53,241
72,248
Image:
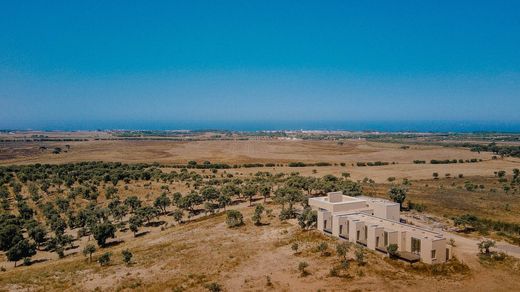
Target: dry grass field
x,y
266,151
187,257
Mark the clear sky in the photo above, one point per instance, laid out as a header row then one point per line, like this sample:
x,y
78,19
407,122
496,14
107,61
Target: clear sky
x,y
64,61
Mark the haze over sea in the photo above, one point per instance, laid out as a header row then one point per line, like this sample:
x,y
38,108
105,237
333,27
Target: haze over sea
x,y
382,126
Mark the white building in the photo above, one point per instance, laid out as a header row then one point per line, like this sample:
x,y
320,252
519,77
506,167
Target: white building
x,y
375,224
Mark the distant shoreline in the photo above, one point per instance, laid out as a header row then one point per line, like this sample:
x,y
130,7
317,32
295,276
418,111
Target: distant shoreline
x,y
413,127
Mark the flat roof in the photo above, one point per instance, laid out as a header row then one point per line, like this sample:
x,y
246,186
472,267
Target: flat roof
x,y
344,200
378,200
387,223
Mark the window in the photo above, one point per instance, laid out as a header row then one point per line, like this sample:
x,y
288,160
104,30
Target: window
x,y
377,241
324,224
416,245
433,254
341,229
385,238
357,235
366,233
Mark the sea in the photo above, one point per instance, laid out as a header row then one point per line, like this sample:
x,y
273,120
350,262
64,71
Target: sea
x,y
322,125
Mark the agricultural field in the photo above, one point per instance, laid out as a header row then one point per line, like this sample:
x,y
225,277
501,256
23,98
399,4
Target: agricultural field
x,y
228,211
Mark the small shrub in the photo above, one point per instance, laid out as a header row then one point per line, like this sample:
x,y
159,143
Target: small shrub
x,y
302,266
104,259
127,256
334,272
485,245
295,247
214,287
268,283
322,248
360,256
392,250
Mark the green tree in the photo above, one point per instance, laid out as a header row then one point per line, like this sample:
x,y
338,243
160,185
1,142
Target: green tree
x,y
249,191
210,194
397,194
308,218
37,233
265,191
58,225
288,197
89,250
22,249
230,190
189,201
257,216
162,202
103,231
135,222
223,201
234,218
177,215
133,203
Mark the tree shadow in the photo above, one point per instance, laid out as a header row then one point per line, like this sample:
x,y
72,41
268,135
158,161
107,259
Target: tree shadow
x,y
262,224
71,254
36,261
71,247
154,223
113,243
141,233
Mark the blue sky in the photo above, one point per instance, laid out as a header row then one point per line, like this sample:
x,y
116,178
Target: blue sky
x,y
128,61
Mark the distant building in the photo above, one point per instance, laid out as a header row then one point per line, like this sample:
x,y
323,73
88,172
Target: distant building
x,y
375,223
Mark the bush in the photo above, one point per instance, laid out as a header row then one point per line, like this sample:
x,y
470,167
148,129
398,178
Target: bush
x,y
485,245
296,164
392,250
334,272
295,247
104,259
302,268
234,218
214,287
323,249
127,256
360,256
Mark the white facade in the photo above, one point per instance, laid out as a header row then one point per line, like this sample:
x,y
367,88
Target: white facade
x,y
375,224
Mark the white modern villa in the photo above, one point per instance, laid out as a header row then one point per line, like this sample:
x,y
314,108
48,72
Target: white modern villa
x,y
375,223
